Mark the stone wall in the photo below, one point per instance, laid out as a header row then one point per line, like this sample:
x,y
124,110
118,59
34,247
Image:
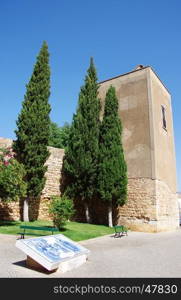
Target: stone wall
x,y
13,210
53,178
151,206
9,211
140,210
53,174
167,207
4,143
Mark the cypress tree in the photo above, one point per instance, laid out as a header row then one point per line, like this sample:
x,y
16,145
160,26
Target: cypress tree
x,y
80,164
112,170
59,136
33,127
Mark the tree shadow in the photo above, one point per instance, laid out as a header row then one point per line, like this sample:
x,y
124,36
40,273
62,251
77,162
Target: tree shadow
x,y
98,211
9,223
115,214
6,211
34,206
21,208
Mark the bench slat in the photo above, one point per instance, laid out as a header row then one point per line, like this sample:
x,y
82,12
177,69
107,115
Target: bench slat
x,y
25,227
38,228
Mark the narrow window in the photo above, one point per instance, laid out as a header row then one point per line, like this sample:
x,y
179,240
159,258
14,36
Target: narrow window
x,y
163,118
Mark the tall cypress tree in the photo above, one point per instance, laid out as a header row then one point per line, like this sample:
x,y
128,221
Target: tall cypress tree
x,y
33,127
112,170
80,164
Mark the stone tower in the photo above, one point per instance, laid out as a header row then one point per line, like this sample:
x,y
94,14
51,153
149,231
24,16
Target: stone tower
x,y
148,142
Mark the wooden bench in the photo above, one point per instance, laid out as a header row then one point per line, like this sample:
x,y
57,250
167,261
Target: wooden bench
x,y
25,227
120,230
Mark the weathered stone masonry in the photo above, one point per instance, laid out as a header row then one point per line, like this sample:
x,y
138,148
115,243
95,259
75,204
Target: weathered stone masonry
x,y
11,211
53,177
152,204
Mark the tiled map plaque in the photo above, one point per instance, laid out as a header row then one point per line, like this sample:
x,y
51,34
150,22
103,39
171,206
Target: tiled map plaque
x,y
54,251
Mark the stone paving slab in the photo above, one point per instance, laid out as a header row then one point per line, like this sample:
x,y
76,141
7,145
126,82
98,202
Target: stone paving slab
x,y
136,255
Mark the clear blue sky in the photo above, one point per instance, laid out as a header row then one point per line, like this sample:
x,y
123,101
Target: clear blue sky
x,y
119,34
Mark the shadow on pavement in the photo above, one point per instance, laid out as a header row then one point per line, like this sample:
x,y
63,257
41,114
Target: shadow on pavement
x,y
23,264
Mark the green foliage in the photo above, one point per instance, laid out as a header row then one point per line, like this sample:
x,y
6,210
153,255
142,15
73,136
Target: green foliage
x,y
33,125
61,209
73,230
112,173
12,186
80,163
59,136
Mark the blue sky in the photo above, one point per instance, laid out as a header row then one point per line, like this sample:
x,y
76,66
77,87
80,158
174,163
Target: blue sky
x,y
119,34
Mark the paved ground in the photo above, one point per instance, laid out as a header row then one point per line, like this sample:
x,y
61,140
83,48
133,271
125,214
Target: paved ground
x,y
137,255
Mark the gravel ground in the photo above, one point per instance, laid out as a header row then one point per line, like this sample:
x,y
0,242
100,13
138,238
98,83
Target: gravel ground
x,y
136,255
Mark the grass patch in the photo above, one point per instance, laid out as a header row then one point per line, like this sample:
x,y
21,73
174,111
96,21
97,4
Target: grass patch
x,y
73,230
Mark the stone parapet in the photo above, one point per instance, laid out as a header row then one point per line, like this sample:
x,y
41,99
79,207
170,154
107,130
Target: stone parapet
x,y
4,143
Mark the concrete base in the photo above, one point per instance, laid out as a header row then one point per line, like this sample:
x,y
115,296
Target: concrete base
x,y
72,263
32,264
63,267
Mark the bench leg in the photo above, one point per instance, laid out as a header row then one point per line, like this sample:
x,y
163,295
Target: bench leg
x,y
23,234
118,234
125,233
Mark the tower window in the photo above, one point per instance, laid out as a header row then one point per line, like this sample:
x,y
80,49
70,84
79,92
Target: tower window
x,y
163,118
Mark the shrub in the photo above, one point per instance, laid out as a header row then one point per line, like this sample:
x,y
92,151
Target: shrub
x,y
12,186
61,209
